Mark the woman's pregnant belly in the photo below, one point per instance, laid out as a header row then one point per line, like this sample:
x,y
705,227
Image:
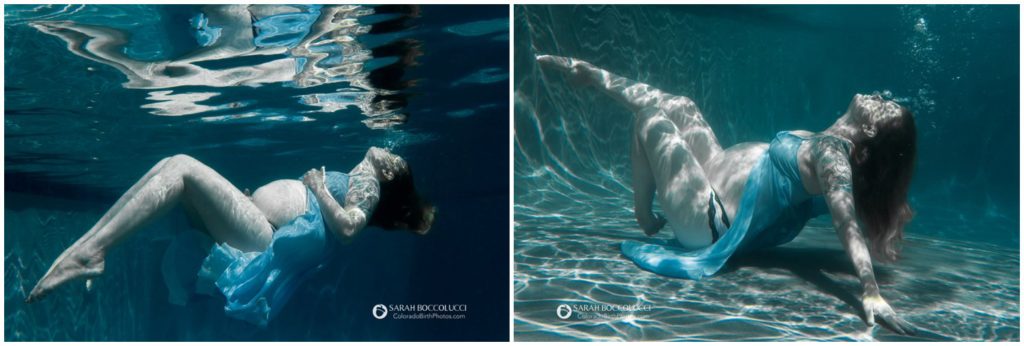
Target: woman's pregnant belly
x,y
281,201
728,172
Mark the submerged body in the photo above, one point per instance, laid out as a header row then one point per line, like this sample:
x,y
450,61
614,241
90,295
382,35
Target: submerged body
x,y
677,159
773,209
257,284
266,244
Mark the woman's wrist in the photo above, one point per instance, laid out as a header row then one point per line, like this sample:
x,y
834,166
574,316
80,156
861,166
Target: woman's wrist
x,y
321,191
323,178
871,296
870,288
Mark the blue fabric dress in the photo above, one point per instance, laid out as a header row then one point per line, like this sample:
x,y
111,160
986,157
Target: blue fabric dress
x,y
774,208
258,284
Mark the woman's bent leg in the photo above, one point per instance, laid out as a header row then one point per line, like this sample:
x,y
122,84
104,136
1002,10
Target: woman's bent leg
x,y
681,110
634,95
693,129
671,143
643,180
226,212
132,191
683,190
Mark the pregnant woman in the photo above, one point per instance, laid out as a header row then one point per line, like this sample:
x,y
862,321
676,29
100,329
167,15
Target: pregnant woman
x,y
755,195
266,244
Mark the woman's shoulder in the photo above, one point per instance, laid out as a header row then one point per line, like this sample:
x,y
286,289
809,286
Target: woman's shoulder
x,y
826,141
362,181
828,150
801,133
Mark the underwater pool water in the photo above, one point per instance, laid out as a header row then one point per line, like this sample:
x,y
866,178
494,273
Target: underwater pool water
x,y
753,71
95,95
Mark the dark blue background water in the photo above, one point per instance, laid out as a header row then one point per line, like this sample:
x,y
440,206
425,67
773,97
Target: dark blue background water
x,y
754,71
76,139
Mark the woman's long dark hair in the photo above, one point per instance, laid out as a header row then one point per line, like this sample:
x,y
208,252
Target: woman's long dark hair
x,y
400,207
882,167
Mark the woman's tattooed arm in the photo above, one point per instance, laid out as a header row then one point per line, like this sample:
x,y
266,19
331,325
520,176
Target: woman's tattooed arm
x,y
346,218
832,165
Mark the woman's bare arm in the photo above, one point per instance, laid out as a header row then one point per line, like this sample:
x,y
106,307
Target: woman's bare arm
x,y
831,156
834,175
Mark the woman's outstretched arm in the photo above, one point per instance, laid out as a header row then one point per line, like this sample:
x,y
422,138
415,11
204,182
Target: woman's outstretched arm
x,y
834,175
633,94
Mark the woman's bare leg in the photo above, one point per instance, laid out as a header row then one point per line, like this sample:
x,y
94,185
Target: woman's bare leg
x,y
227,213
630,93
693,129
671,144
643,181
113,211
670,168
681,110
132,191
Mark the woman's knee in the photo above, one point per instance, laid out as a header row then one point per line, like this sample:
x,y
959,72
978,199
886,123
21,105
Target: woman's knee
x,y
645,114
183,163
651,123
182,166
181,159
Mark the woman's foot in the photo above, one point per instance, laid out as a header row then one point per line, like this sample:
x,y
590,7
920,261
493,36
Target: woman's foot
x,y
578,72
72,264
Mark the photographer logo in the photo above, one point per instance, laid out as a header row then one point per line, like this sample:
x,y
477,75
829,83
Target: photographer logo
x,y
563,311
380,311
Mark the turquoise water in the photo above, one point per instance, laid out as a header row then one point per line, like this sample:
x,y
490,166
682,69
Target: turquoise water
x,y
753,71
96,95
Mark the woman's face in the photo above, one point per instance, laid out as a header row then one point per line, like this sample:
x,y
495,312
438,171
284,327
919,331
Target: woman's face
x,y
872,109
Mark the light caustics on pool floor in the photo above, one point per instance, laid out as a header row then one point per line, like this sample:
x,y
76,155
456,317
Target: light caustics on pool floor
x,y
573,209
805,290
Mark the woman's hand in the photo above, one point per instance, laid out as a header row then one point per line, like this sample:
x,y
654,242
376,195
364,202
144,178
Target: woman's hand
x,y
875,306
314,179
654,228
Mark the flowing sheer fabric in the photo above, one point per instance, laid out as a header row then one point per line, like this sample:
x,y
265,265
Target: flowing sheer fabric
x,y
258,284
774,208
